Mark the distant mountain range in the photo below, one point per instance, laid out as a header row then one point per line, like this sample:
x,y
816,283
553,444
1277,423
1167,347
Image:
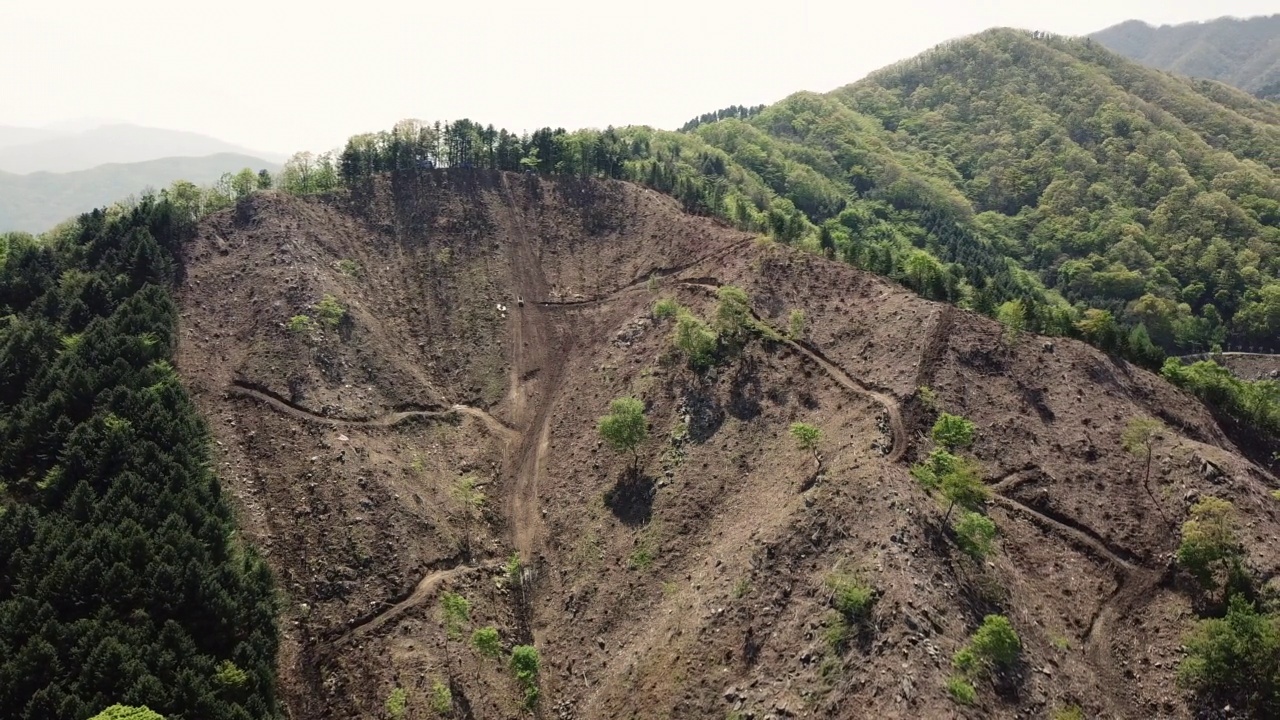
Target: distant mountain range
x,y
1240,52
38,201
28,150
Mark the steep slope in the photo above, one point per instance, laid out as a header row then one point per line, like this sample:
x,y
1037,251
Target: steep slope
x,y
489,318
1241,52
113,144
38,201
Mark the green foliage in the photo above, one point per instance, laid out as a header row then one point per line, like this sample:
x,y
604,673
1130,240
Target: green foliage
x,y
514,568
928,398
457,613
123,576
807,436
329,311
1013,315
994,645
486,641
1068,712
1210,550
795,325
974,532
350,268
1236,659
961,690
230,676
125,712
1256,403
301,324
470,500
850,597
397,703
441,698
695,340
666,308
953,432
838,632
525,664
733,313
625,427
1140,434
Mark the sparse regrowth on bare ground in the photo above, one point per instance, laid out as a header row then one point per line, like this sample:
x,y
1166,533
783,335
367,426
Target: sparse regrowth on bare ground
x,y
807,438
928,398
1210,549
796,325
1139,439
625,427
666,308
441,698
993,646
695,340
952,432
486,641
470,500
961,690
329,311
456,611
1235,660
733,314
301,324
525,664
974,533
397,703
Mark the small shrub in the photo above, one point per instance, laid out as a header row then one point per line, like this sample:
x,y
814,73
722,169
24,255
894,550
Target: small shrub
x,y
993,645
953,432
961,691
1275,494
301,324
456,611
795,325
1236,659
1061,642
525,664
807,437
975,532
695,340
666,308
350,268
852,598
329,311
928,398
1210,550
837,632
397,703
441,698
1068,712
487,641
514,569
640,558
733,313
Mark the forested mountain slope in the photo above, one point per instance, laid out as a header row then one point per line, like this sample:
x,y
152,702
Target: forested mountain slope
x,y
1044,179
1241,52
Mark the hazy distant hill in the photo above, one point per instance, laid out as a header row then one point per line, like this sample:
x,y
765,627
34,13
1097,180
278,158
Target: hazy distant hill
x,y
61,153
11,135
38,201
1243,53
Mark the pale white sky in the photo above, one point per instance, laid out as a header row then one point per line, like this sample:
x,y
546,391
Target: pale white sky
x,y
285,75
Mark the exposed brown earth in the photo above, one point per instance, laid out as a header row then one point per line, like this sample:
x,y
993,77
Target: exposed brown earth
x,y
491,320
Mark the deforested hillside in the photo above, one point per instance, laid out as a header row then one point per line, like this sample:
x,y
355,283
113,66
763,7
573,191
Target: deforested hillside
x,y
830,497
1244,52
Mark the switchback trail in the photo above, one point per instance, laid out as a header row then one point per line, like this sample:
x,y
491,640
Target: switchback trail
x,y
890,404
285,407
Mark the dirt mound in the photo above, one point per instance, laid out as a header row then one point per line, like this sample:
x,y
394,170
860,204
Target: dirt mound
x,y
489,320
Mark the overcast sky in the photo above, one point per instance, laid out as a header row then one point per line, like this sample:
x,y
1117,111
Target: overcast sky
x,y
285,75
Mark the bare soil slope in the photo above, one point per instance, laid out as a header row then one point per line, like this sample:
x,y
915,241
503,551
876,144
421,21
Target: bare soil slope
x,y
489,321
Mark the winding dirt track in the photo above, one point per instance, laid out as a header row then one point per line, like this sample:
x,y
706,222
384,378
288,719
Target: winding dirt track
x,y
891,406
285,407
421,592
